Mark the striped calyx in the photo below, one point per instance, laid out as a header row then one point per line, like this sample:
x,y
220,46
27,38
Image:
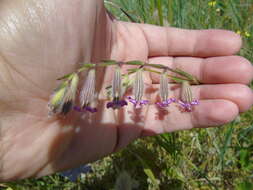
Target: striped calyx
x,y
186,93
138,86
88,92
164,86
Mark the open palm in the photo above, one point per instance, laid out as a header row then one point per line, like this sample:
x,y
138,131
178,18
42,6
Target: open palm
x,y
42,40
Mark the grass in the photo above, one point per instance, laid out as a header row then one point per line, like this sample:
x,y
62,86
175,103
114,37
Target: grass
x,y
203,159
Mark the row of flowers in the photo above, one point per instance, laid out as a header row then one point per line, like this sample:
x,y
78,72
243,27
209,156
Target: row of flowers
x,y
117,104
64,97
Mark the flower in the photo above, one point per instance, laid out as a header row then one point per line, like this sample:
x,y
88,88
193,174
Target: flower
x,y
187,106
187,101
116,104
212,3
62,101
117,91
88,95
166,103
56,100
164,91
243,33
138,89
247,34
137,103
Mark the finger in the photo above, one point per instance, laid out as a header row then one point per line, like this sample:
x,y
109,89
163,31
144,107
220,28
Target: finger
x,y
213,70
208,113
240,95
164,41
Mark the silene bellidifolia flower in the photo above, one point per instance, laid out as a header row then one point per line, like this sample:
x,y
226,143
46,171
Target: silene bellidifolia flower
x,y
187,101
117,91
138,90
88,93
164,91
63,98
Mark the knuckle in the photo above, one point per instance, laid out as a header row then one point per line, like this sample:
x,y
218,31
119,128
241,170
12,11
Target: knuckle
x,y
245,68
244,97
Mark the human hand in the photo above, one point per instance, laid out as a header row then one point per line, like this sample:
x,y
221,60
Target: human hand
x,y
42,40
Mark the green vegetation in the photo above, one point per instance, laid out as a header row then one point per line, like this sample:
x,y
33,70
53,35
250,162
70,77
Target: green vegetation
x,y
203,159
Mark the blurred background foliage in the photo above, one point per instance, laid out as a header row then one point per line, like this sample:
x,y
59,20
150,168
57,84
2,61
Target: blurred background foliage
x,y
199,159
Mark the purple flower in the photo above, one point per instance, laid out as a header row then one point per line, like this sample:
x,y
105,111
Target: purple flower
x,y
137,104
116,104
166,103
187,106
85,109
164,91
138,90
88,95
187,102
117,91
90,109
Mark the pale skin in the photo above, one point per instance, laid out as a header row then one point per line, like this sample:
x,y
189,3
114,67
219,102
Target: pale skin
x,y
41,40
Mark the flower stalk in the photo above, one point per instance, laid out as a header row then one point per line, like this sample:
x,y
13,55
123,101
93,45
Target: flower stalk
x,y
63,99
